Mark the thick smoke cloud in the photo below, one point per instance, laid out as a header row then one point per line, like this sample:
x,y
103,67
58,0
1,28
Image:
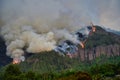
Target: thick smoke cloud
x,y
38,25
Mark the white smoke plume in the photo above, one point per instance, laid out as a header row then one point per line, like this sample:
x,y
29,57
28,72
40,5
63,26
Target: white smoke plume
x,y
65,34
37,25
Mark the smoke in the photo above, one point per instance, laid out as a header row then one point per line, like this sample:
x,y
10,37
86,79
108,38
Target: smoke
x,y
38,25
66,35
38,43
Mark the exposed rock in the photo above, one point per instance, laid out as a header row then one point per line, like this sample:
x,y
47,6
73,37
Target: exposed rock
x,y
90,54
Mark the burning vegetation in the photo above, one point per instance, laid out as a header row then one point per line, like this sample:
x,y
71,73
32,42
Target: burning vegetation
x,y
16,61
33,27
69,47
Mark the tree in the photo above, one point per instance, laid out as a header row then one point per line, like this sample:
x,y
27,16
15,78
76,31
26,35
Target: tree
x,y
12,72
30,75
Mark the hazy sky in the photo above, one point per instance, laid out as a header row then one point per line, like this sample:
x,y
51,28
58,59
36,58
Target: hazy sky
x,y
101,12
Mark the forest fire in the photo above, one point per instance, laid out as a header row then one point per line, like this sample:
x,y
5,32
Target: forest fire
x,y
34,26
16,61
93,29
69,55
82,45
69,48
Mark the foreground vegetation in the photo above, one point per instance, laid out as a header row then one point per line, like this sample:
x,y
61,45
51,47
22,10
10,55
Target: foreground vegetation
x,y
100,69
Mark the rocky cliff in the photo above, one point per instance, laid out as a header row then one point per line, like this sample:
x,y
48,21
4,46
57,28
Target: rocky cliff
x,y
108,50
100,43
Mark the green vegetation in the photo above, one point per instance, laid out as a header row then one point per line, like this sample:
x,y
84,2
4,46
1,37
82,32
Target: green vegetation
x,y
48,62
102,38
101,68
13,72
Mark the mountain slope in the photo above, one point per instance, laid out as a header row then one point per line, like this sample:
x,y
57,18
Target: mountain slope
x,y
101,43
48,62
98,44
113,31
102,37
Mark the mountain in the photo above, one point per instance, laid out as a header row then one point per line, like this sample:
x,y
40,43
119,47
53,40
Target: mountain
x,y
113,31
102,37
99,59
99,43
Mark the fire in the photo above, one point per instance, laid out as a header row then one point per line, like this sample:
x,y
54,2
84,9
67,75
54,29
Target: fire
x,y
82,45
69,55
93,29
16,61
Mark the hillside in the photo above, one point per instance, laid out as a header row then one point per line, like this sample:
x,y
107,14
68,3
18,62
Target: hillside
x,y
102,38
48,62
100,43
101,55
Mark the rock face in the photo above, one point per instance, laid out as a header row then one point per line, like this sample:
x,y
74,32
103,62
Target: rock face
x,y
90,54
100,43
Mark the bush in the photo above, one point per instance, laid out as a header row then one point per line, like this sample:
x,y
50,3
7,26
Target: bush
x,y
106,69
77,76
30,75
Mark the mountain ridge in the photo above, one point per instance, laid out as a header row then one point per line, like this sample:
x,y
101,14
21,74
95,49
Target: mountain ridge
x,y
99,43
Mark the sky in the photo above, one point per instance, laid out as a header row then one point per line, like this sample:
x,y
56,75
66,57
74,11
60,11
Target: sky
x,y
101,12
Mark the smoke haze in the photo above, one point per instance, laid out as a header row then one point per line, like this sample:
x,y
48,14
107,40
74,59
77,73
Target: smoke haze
x,y
37,25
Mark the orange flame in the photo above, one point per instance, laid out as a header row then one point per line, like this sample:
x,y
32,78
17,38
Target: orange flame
x,y
93,29
82,45
69,55
16,61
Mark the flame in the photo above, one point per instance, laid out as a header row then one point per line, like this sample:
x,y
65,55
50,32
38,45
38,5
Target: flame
x,y
69,55
82,45
16,61
93,29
